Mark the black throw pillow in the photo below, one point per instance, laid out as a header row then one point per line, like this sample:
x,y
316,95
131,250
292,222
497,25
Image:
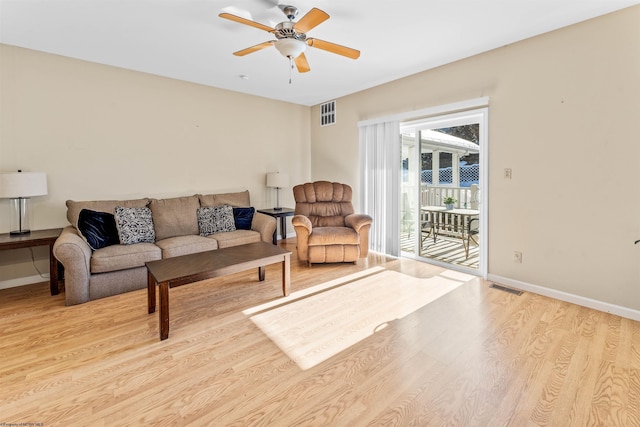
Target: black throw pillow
x,y
243,217
98,228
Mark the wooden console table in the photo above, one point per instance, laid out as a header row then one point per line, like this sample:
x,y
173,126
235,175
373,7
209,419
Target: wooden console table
x,y
36,238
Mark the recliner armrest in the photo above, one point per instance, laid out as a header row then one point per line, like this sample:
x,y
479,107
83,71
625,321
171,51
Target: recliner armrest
x,y
302,221
357,221
303,228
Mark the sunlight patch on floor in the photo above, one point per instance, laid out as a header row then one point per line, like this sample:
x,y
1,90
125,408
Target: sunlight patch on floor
x,y
312,325
313,289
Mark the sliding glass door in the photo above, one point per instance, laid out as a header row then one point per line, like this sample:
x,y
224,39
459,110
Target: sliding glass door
x,y
441,189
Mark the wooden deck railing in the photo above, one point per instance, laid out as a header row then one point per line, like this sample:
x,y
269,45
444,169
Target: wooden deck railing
x,y
467,197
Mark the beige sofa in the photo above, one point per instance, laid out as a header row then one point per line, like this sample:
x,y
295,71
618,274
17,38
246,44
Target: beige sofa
x,y
91,274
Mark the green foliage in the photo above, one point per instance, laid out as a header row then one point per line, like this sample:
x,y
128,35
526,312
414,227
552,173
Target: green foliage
x,y
449,200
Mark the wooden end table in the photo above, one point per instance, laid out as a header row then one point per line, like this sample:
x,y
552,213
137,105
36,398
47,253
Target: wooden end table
x,y
181,270
36,238
281,213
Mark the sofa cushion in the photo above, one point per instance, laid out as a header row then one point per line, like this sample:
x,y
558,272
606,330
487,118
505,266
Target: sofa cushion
x,y
74,207
135,225
175,216
240,198
217,219
185,245
120,257
98,229
243,218
235,238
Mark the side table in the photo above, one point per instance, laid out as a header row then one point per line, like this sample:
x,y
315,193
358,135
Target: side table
x,y
36,238
282,213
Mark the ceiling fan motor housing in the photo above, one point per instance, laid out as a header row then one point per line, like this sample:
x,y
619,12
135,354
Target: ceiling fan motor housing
x,y
285,30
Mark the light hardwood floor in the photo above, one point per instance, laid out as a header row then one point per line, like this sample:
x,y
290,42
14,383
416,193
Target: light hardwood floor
x,y
474,356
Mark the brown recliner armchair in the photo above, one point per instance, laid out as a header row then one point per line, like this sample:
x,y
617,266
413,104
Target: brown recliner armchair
x,y
327,230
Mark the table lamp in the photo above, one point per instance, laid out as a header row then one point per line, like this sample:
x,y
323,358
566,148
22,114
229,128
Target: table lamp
x,y
19,187
277,180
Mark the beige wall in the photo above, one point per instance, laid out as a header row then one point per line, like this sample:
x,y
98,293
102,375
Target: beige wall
x,y
101,132
563,114
562,107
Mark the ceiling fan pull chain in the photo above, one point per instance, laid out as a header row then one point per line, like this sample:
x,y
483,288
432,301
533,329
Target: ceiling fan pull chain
x,y
290,68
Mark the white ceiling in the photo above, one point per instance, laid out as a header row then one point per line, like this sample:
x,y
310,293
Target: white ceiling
x,y
186,40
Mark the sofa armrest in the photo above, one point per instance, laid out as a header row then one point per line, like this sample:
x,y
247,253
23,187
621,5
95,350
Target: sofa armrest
x,y
357,221
265,225
75,255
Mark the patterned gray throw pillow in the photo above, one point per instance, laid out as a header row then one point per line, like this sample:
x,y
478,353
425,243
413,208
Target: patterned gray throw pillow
x,y
216,219
135,225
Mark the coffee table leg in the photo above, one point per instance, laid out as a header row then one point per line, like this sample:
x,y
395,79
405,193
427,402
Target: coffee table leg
x,y
151,293
164,310
286,274
261,273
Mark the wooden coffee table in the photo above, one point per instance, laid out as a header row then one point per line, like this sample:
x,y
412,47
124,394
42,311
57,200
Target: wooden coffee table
x,y
182,270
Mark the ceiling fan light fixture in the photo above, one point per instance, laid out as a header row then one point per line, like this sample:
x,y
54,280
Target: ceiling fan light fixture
x,y
290,48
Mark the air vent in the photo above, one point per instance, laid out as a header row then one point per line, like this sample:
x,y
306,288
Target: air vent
x,y
505,289
328,113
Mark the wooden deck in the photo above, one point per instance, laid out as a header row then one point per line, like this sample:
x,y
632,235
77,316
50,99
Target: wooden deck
x,y
445,249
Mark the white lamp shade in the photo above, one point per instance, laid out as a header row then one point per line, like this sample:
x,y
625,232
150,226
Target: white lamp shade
x,y
277,180
22,184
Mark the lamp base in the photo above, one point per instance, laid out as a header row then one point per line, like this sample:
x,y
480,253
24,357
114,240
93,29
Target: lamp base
x,y
19,217
19,232
277,209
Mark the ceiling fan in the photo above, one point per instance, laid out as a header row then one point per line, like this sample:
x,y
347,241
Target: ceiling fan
x,y
292,38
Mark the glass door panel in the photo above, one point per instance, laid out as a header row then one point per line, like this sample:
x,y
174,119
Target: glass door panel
x,y
438,163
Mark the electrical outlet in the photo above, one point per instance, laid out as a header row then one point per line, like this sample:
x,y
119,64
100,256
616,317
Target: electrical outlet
x,y
517,257
507,173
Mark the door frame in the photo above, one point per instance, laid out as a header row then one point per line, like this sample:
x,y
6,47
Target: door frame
x,y
451,119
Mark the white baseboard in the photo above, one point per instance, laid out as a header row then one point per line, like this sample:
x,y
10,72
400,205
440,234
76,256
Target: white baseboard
x,y
21,281
625,312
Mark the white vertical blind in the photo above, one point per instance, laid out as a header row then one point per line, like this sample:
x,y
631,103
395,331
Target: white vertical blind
x,y
380,182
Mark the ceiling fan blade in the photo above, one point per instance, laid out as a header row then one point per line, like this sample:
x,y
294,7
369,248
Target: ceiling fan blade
x,y
334,48
252,49
311,20
246,22
301,63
